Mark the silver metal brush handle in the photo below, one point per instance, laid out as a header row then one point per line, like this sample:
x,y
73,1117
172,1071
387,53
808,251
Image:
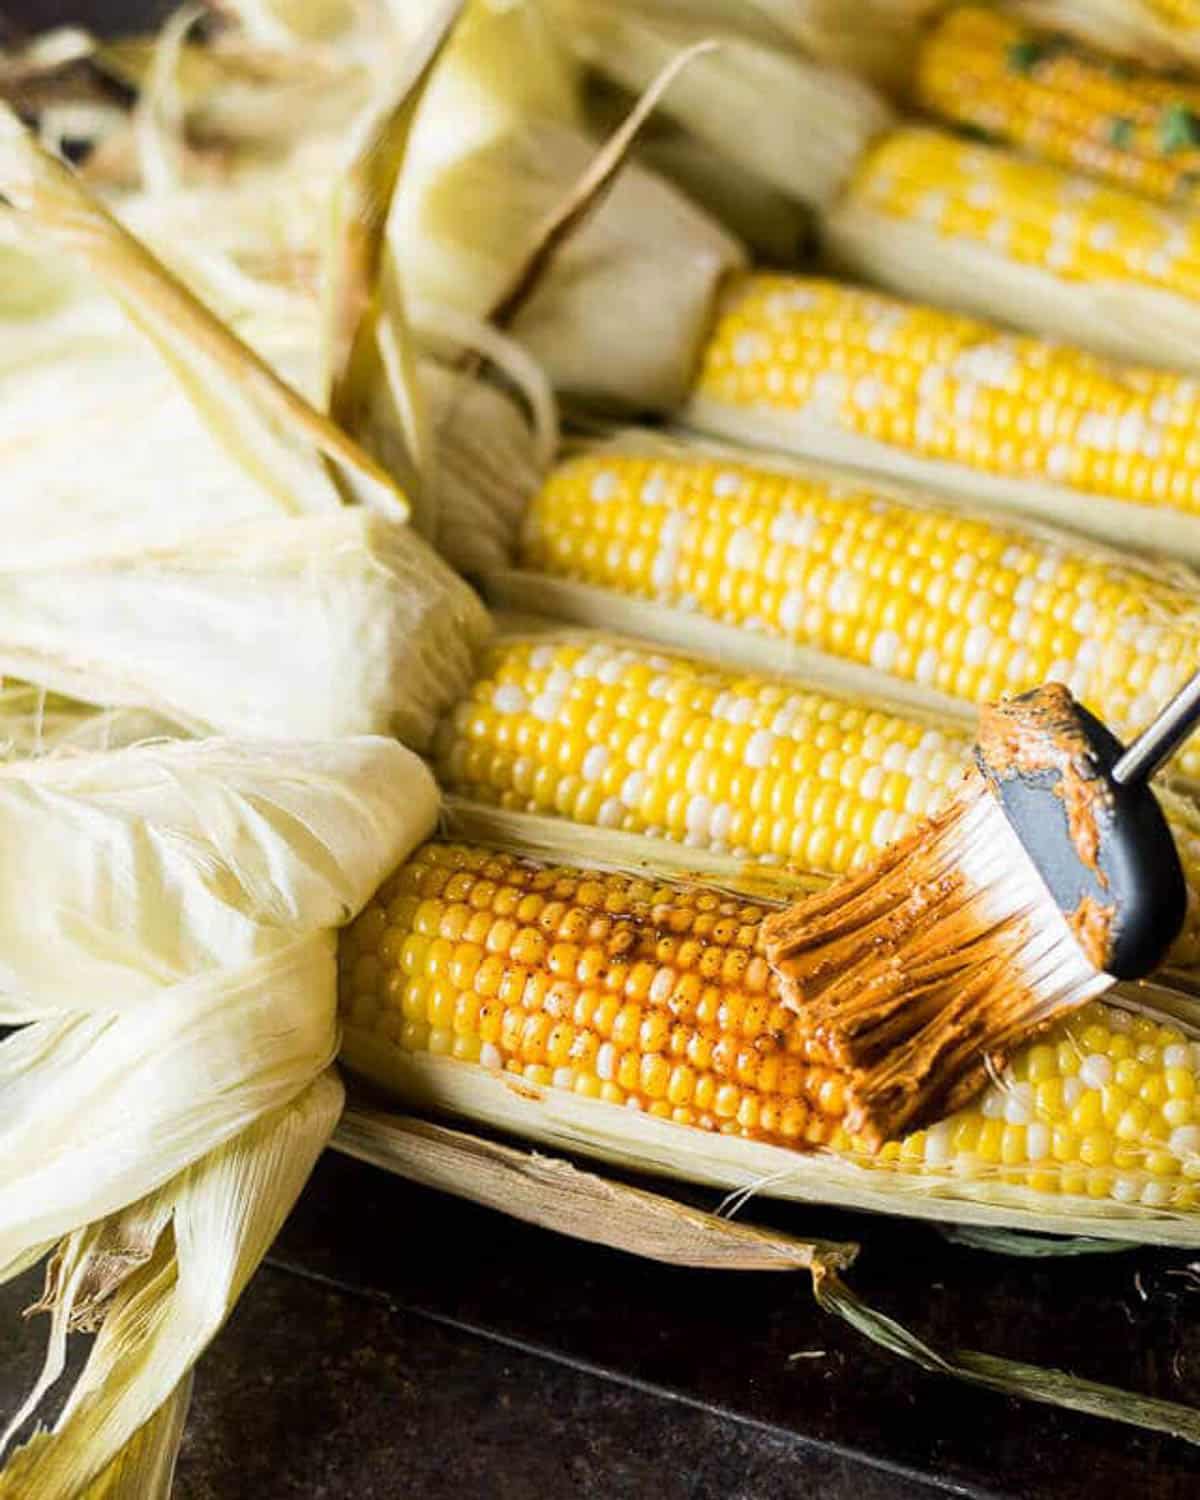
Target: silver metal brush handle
x,y
1161,739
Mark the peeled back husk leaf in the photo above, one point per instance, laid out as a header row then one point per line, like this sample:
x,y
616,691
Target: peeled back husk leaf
x,y
280,442
214,1223
379,632
552,1192
169,936
306,626
170,950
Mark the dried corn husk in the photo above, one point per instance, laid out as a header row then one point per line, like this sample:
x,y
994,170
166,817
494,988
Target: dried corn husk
x,y
123,596
171,947
796,124
204,1235
551,1192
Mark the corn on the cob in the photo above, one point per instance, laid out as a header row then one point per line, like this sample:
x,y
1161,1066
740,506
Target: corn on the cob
x,y
1035,213
617,735
964,605
981,68
835,372
657,998
988,232
620,736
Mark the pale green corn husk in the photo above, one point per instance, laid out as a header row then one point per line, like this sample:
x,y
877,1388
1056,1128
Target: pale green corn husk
x,y
798,125
240,594
497,148
550,1191
1126,28
171,947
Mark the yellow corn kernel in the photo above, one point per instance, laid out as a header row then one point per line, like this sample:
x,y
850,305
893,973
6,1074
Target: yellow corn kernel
x,y
1056,100
847,767
726,1059
1037,213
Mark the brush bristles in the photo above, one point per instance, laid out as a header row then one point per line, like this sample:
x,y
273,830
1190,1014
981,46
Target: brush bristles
x,y
926,970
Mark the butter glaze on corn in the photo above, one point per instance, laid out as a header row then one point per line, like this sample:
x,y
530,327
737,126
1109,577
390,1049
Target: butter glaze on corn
x,y
643,995
657,997
1056,100
1031,212
967,605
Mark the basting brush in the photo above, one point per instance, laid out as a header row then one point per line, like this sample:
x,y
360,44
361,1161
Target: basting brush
x,y
1051,876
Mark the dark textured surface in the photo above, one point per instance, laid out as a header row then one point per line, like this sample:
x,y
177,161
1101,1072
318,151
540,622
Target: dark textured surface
x,y
401,1343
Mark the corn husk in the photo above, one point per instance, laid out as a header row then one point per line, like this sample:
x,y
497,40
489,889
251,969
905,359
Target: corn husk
x,y
779,230
375,393
873,38
170,952
1122,319
549,1191
239,94
498,147
489,459
204,1236
1126,28
564,1120
339,25
34,722
798,125
251,599
145,1468
305,626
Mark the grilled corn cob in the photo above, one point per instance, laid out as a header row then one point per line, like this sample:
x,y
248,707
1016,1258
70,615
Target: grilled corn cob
x,y
991,233
473,965
835,372
981,68
962,606
620,736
